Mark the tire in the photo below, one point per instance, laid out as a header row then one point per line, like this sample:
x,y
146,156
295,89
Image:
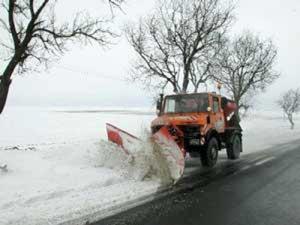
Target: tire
x,y
209,156
234,148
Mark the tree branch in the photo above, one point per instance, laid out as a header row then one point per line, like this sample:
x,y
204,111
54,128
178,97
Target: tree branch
x,y
11,9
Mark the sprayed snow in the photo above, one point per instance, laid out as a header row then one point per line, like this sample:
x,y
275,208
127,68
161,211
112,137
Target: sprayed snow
x,y
169,156
59,166
136,166
156,155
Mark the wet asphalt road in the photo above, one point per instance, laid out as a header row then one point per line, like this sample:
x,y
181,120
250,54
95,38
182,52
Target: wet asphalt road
x,y
260,189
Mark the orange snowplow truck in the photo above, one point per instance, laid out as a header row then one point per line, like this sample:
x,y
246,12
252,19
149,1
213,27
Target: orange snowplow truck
x,y
202,124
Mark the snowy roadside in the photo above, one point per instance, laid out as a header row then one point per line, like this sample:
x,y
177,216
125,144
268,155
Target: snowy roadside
x,y
53,185
265,129
52,182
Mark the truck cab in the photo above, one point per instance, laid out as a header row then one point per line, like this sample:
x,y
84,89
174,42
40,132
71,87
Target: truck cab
x,y
202,124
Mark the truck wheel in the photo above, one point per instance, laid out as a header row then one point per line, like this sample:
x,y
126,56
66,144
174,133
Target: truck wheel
x,y
209,156
234,148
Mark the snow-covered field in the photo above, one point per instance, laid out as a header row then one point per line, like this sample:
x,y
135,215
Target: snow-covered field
x,y
61,168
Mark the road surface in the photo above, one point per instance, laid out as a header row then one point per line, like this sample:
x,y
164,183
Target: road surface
x,y
260,188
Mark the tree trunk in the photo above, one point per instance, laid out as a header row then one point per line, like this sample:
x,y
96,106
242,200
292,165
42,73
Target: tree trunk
x,y
290,117
237,114
175,89
185,85
4,88
237,111
186,80
196,88
5,80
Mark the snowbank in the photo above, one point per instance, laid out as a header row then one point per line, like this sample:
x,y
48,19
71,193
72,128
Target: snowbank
x,y
53,184
61,168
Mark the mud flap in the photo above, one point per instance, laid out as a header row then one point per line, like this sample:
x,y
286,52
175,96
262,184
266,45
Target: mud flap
x,y
167,152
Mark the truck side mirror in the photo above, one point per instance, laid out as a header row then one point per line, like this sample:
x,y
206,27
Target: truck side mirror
x,y
159,103
158,107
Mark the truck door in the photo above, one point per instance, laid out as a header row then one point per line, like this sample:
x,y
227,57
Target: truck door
x,y
217,114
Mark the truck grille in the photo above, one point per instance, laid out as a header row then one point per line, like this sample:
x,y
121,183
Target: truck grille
x,y
190,131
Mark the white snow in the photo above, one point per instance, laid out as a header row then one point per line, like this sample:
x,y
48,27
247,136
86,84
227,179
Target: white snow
x,y
61,168
264,129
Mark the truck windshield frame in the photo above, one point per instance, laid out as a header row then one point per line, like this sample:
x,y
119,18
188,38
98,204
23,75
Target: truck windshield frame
x,y
191,103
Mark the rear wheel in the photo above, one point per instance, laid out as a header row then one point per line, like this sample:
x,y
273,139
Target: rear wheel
x,y
209,156
234,148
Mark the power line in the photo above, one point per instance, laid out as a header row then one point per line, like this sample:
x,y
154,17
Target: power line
x,y
76,70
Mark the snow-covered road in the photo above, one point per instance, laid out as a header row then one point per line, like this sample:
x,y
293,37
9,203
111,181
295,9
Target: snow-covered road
x,y
60,170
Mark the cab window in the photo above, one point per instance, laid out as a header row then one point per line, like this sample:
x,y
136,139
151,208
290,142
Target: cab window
x,y
191,103
216,105
170,106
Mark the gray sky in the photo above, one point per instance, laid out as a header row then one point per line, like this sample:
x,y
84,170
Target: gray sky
x,y
92,76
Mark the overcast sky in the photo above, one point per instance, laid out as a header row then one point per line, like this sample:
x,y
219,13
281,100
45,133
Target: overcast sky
x,y
92,76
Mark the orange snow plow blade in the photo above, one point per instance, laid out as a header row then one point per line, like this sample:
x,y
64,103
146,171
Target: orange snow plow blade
x,y
163,144
121,138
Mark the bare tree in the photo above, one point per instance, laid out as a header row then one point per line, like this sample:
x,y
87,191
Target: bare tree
x,y
31,35
245,66
290,103
116,3
175,44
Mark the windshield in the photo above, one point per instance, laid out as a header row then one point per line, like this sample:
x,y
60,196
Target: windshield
x,y
186,103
